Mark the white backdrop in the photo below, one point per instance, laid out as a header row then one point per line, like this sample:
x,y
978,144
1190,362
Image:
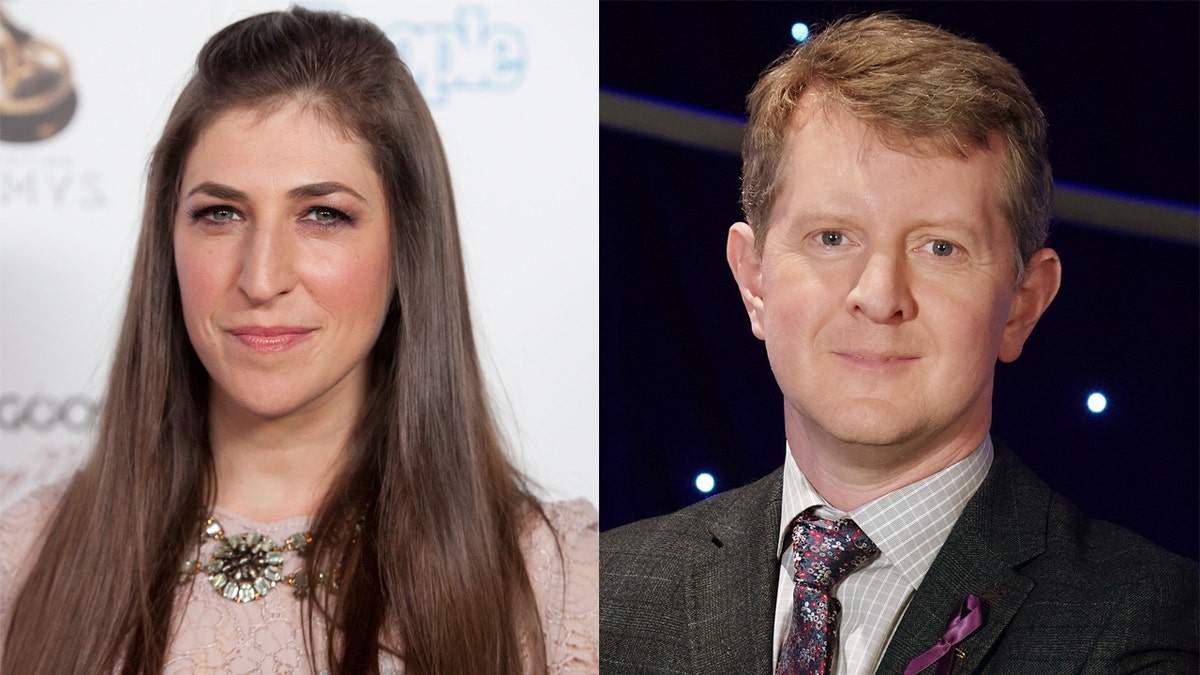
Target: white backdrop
x,y
513,87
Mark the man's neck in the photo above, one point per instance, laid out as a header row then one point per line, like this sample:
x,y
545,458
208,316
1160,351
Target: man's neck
x,y
848,475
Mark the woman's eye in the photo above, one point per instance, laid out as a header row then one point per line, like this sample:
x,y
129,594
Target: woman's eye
x,y
217,214
323,215
832,238
941,248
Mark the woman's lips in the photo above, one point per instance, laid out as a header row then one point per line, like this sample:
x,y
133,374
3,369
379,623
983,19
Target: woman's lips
x,y
271,338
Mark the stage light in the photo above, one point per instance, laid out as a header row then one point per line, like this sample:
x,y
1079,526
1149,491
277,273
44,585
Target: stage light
x,y
800,31
705,482
1096,402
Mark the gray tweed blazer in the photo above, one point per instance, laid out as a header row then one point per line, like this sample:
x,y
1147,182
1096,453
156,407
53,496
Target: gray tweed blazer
x,y
694,591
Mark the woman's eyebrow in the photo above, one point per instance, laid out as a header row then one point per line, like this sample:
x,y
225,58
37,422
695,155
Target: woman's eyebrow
x,y
322,189
311,190
217,190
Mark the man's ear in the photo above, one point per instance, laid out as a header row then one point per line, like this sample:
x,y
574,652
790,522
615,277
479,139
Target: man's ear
x,y
747,272
1043,275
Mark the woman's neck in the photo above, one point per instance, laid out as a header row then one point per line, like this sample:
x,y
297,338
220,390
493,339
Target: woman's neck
x,y
270,469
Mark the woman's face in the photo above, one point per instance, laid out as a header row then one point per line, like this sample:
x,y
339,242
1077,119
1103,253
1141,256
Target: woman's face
x,y
282,250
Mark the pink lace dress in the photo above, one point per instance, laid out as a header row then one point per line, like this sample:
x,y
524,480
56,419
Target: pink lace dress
x,y
214,635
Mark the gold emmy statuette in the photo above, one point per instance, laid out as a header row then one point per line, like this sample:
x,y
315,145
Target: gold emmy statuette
x,y
37,98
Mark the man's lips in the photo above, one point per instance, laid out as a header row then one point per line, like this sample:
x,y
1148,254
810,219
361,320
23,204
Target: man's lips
x,y
270,338
876,360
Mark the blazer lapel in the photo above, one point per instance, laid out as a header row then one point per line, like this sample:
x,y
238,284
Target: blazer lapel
x,y
731,588
1002,526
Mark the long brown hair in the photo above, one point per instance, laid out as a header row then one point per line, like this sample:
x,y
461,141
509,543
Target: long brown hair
x,y
437,574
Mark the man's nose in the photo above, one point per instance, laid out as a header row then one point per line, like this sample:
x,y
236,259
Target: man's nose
x,y
883,293
268,261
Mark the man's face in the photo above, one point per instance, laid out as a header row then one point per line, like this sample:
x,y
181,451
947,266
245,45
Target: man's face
x,y
885,289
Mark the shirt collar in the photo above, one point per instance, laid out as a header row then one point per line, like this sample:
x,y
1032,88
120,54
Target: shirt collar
x,y
908,525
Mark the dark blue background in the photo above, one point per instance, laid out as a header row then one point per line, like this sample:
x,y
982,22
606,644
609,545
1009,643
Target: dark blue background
x,y
685,387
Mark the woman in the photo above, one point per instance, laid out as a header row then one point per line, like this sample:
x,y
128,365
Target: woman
x,y
296,467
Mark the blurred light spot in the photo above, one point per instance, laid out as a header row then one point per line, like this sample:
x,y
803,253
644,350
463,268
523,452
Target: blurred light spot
x,y
1096,402
799,31
705,482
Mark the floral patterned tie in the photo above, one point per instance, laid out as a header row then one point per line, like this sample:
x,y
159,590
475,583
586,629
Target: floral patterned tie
x,y
823,552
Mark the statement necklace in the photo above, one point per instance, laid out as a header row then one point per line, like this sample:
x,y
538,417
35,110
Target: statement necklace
x,y
247,566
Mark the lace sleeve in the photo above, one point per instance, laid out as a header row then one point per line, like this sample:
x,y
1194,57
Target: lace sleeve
x,y
21,526
568,587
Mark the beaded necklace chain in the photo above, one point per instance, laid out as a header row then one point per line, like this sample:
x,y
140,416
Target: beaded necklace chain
x,y
246,566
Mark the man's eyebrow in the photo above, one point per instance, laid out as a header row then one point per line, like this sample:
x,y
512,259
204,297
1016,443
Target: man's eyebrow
x,y
835,219
322,189
820,217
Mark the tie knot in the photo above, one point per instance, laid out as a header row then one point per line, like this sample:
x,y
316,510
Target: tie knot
x,y
825,551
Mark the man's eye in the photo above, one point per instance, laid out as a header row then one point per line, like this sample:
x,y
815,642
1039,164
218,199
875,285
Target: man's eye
x,y
941,248
832,238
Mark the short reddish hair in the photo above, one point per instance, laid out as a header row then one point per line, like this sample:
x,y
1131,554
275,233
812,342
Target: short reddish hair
x,y
914,83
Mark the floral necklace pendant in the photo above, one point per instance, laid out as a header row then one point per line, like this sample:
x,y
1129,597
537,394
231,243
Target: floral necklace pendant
x,y
246,566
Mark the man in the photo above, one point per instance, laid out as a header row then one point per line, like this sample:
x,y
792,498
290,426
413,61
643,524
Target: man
x,y
897,194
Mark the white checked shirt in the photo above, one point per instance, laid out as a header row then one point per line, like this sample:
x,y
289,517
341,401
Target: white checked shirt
x,y
908,526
